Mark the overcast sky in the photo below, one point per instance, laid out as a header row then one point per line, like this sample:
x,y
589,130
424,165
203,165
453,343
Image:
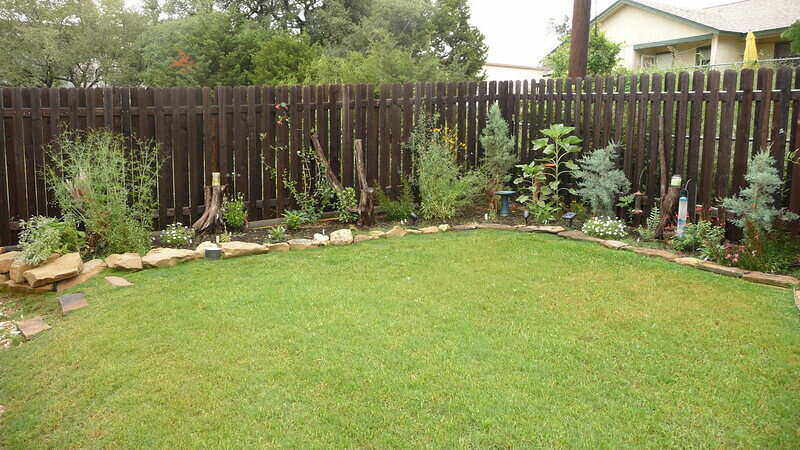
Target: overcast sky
x,y
518,31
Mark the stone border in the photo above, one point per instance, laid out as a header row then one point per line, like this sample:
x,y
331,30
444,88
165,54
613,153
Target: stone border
x,y
167,257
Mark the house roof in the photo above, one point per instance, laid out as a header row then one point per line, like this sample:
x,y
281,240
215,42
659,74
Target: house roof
x,y
735,17
516,66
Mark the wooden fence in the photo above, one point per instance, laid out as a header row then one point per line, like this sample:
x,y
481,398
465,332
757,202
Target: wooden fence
x,y
707,122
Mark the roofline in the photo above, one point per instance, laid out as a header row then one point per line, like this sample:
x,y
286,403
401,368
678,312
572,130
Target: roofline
x,y
608,11
702,37
516,66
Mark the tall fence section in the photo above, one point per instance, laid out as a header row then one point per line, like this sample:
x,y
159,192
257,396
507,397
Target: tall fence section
x,y
708,124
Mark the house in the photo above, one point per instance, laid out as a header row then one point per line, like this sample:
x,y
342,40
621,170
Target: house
x,y
658,35
501,72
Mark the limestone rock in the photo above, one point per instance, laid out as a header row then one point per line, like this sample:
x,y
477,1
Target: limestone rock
x,y
413,231
429,230
5,261
90,269
279,247
554,229
72,302
236,248
342,237
364,237
63,267
669,256
33,326
118,282
300,244
772,280
687,261
579,236
25,288
125,261
720,269
167,257
444,227
465,227
495,226
18,268
614,245
396,231
200,251
377,233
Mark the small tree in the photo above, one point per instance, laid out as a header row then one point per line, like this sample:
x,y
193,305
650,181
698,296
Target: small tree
x,y
793,34
754,207
603,55
499,155
600,181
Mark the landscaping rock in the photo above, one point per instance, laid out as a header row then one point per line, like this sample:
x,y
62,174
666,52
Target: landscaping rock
x,y
3,277
465,227
444,227
18,268
167,257
579,236
63,267
25,288
377,233
553,229
413,231
429,230
236,248
72,302
720,269
669,256
118,282
5,261
300,244
321,239
494,226
124,261
342,237
32,327
364,237
784,281
90,269
614,245
279,247
688,261
200,251
396,231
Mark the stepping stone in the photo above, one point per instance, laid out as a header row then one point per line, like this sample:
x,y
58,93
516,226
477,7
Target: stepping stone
x,y
118,281
33,326
72,302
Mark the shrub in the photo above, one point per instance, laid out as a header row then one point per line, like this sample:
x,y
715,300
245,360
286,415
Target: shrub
x,y
702,235
113,196
276,234
604,228
781,252
234,212
499,157
600,182
42,236
293,218
346,205
313,193
177,235
398,209
648,233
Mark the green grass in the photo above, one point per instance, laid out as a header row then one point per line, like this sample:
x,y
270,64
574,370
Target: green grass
x,y
479,339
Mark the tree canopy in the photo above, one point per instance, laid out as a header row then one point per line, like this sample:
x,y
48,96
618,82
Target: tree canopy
x,y
603,55
236,42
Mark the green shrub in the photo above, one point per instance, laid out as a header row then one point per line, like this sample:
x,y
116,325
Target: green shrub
x,y
347,205
600,182
605,228
398,209
293,218
276,234
703,237
42,236
313,193
444,191
97,185
648,232
499,156
177,235
234,212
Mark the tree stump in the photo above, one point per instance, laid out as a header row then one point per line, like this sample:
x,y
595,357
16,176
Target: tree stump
x,y
211,220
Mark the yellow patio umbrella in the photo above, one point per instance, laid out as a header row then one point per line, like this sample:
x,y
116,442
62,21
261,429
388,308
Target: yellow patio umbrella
x,y
750,51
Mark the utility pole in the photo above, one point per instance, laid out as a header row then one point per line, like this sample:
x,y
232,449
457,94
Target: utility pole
x,y
579,42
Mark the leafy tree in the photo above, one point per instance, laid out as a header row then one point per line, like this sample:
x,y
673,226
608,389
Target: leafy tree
x,y
793,34
283,59
67,42
208,49
603,55
459,44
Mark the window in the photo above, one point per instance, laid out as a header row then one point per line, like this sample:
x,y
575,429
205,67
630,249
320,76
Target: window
x,y
702,56
648,61
664,60
784,50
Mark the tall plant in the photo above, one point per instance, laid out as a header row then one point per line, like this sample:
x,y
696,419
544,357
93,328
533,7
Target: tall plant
x,y
499,157
599,181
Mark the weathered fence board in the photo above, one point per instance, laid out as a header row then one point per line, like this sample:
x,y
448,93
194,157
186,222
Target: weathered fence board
x,y
707,125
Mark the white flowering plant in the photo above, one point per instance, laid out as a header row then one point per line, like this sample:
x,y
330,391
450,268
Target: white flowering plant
x,y
605,228
177,235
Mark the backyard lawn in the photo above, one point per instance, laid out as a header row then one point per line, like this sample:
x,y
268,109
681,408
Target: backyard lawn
x,y
475,339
